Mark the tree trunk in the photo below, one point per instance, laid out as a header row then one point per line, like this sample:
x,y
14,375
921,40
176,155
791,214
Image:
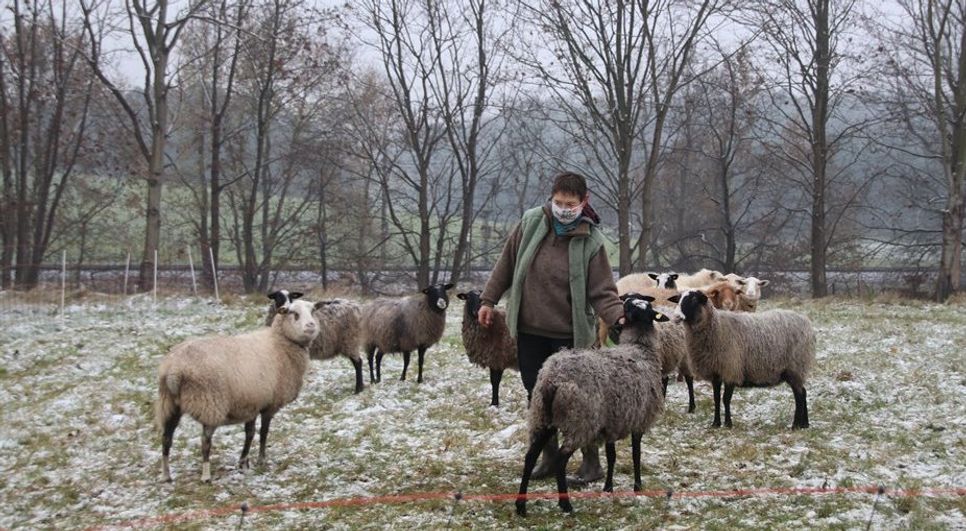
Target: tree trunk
x,y
819,241
152,238
950,264
422,273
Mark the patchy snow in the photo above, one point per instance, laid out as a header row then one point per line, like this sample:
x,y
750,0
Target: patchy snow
x,y
77,447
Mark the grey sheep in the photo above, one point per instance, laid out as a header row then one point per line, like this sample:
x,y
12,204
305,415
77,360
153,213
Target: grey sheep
x,y
339,332
748,350
402,325
489,347
232,380
590,394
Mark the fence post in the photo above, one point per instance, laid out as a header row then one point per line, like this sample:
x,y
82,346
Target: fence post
x,y
214,273
191,265
127,270
63,281
155,284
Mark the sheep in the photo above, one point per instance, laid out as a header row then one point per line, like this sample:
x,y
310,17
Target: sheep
x,y
233,379
339,332
700,279
747,350
750,291
589,394
402,325
664,280
723,295
280,299
490,347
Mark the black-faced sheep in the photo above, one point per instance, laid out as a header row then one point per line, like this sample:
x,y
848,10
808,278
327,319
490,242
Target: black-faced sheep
x,y
402,325
280,299
489,347
748,350
590,394
234,379
339,332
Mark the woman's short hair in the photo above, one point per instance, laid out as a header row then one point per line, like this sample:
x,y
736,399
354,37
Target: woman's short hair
x,y
570,183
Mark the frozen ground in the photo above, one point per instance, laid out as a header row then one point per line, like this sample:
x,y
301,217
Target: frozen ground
x,y
887,405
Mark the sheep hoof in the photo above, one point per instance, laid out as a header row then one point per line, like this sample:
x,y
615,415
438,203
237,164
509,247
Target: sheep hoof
x,y
608,487
637,487
167,479
566,507
715,424
727,424
521,508
244,463
419,380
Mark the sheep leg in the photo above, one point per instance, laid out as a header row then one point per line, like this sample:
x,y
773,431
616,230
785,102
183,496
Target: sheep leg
x,y
538,441
728,390
170,424
690,381
263,435
357,364
370,353
563,499
496,375
406,354
378,365
249,436
611,457
664,386
716,387
206,433
801,406
421,354
636,455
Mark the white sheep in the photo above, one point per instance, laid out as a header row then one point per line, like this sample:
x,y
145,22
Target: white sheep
x,y
748,350
590,394
233,379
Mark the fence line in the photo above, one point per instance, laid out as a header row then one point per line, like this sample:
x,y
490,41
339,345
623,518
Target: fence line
x,y
395,499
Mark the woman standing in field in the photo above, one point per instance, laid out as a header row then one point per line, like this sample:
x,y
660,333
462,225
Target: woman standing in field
x,y
555,268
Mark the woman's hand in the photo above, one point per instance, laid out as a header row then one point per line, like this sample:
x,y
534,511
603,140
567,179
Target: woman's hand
x,y
486,316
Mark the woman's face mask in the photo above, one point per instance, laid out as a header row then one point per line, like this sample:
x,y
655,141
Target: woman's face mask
x,y
566,207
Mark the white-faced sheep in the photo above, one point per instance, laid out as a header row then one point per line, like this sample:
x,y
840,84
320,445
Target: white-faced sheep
x,y
402,325
491,346
748,350
750,291
234,379
587,395
339,333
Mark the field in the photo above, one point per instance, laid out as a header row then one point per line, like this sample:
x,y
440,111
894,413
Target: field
x,y
77,449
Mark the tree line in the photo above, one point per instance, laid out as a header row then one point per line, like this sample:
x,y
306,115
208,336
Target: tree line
x,y
746,137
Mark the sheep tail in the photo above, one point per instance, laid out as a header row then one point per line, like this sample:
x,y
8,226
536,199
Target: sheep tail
x,y
165,406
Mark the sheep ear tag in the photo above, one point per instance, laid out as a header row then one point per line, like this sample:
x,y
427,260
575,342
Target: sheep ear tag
x,y
660,317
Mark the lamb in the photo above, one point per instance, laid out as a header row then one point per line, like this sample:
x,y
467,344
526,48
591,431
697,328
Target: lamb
x,y
589,394
750,291
280,299
339,332
490,347
232,379
702,278
748,350
402,325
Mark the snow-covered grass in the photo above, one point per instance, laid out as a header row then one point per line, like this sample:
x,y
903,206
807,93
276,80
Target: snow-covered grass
x,y
887,406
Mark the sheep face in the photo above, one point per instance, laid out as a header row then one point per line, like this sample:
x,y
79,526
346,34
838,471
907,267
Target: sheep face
x,y
283,298
437,297
691,306
724,296
664,280
639,312
297,322
751,287
473,302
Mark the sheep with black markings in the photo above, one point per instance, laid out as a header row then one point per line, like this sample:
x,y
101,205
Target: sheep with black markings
x,y
402,325
339,332
589,394
280,299
233,379
748,350
490,347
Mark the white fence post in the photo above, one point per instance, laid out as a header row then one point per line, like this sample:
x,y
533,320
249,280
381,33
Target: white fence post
x,y
63,281
214,273
127,270
191,265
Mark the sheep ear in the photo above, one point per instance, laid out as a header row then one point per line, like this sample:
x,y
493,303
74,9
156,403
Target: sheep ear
x,y
741,281
283,310
652,275
461,296
447,287
674,298
715,274
673,276
763,283
425,291
648,298
274,295
294,295
660,317
319,304
623,296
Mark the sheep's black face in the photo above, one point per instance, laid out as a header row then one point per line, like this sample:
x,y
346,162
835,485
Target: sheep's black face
x,y
638,310
283,298
473,302
691,306
664,280
437,297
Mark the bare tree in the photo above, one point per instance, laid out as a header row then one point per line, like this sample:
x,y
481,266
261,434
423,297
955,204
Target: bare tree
x,y
620,65
154,33
808,40
46,93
